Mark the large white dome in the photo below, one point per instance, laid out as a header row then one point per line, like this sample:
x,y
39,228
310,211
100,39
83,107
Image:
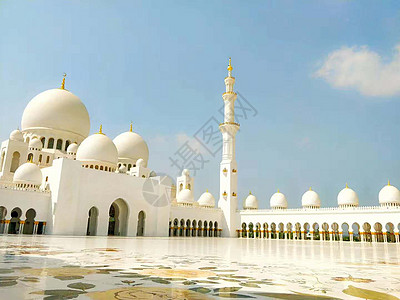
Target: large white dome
x,y
310,199
251,202
206,199
278,200
56,109
389,195
28,173
131,146
347,197
98,148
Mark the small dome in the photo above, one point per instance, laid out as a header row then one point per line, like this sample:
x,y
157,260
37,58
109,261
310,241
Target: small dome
x,y
185,172
28,173
278,200
389,195
72,148
98,148
16,135
251,202
131,146
347,197
310,199
206,199
185,196
57,109
35,143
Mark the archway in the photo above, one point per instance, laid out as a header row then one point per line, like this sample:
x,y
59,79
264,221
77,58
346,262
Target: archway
x,y
91,228
14,225
345,232
325,231
390,233
335,232
289,231
244,230
118,218
182,226
205,231
258,230
273,231
170,228
378,232
265,230
15,161
251,230
210,229
187,230
356,232
367,232
50,144
29,221
281,229
199,228
194,228
175,230
216,229
298,230
307,234
316,231
140,223
3,213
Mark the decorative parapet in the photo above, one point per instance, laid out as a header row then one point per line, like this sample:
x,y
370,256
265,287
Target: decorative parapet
x,y
15,187
327,209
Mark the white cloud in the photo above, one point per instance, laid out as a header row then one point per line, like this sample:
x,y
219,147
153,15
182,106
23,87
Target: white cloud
x,y
363,70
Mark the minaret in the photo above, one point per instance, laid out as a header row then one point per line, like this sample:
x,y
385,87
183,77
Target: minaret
x,y
228,170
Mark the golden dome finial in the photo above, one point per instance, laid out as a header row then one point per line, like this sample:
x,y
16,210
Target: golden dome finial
x,y
310,188
131,128
63,81
347,186
206,190
249,192
101,129
278,191
388,181
229,67
30,160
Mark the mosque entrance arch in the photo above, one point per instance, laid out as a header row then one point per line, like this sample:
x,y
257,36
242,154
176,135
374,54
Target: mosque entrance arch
x,y
14,225
29,222
118,218
140,225
91,228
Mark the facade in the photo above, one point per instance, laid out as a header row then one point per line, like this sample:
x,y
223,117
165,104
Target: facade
x,y
55,178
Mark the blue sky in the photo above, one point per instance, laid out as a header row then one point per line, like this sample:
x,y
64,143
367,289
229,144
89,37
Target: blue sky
x,y
322,76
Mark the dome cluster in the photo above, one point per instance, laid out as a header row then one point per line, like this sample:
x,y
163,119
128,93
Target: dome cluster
x,y
127,150
57,119
388,196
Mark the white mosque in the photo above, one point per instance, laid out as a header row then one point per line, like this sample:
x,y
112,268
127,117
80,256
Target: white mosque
x,y
57,179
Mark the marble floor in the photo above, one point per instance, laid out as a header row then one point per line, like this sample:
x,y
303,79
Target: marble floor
x,y
58,267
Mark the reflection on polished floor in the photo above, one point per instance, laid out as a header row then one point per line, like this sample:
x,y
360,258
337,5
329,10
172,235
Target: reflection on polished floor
x,y
59,267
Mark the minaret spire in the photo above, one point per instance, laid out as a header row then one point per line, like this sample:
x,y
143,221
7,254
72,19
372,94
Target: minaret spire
x,y
229,68
63,81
